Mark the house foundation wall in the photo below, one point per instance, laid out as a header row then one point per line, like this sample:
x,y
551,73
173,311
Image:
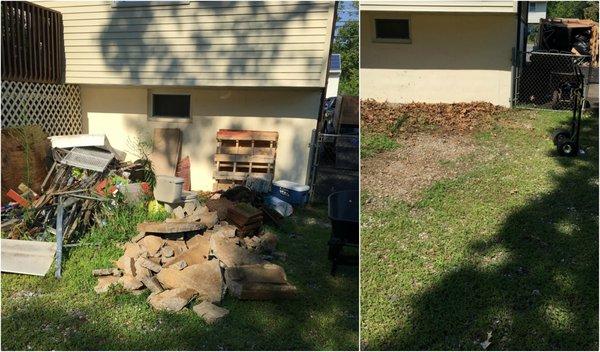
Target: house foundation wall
x,y
123,114
451,57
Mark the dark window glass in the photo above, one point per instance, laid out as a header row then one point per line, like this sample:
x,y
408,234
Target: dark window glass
x,y
392,29
170,105
335,63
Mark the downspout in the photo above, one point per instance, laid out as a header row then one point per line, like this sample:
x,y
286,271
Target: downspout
x,y
517,50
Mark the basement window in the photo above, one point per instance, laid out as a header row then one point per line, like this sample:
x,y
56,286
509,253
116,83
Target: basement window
x,y
392,30
171,106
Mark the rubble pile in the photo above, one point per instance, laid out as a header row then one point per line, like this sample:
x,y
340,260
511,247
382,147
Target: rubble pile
x,y
79,181
196,256
456,117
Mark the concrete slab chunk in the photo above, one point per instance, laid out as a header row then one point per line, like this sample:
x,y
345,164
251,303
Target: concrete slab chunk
x,y
230,252
152,284
178,246
106,272
104,283
199,247
180,265
179,213
130,283
260,291
264,273
133,250
140,271
171,300
27,257
210,313
127,265
268,242
149,264
172,227
189,207
152,244
167,252
209,219
205,279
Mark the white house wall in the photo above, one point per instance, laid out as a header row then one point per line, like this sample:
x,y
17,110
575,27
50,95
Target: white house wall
x,y
451,58
122,114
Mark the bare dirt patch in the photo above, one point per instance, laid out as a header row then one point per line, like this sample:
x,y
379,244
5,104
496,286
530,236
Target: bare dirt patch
x,y
422,159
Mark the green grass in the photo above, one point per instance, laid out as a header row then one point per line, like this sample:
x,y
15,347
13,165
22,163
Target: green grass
x,y
42,313
375,143
510,247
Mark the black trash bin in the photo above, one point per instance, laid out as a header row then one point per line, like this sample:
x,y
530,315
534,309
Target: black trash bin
x,y
343,213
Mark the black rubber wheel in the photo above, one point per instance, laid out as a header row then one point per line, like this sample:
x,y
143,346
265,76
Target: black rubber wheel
x,y
560,137
567,149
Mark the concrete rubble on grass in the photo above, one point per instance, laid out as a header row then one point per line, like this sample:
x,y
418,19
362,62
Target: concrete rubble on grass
x,y
209,312
194,256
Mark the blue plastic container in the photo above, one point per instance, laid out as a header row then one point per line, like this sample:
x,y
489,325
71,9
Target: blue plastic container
x,y
290,192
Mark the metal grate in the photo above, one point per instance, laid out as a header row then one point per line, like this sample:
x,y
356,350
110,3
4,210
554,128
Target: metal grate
x,y
56,108
89,159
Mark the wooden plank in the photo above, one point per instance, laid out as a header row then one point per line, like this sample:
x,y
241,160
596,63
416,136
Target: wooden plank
x,y
247,135
241,176
267,152
245,158
166,149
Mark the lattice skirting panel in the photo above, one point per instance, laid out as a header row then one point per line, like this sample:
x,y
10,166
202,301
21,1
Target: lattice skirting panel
x,y
54,107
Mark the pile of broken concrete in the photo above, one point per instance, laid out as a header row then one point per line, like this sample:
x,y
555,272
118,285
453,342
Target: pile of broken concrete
x,y
197,257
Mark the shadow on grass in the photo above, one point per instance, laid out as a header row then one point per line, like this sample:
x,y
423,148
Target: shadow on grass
x,y
544,295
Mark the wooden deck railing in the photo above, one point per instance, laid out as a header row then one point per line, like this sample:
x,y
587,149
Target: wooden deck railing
x,y
32,43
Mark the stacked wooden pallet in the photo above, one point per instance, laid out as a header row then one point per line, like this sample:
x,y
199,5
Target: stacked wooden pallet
x,y
243,153
246,218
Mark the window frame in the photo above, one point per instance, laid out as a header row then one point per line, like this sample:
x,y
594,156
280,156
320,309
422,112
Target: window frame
x,y
532,7
392,40
151,117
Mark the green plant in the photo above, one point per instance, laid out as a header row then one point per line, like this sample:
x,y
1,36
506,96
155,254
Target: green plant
x,y
141,148
375,143
346,44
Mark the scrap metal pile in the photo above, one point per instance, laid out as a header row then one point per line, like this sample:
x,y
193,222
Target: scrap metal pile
x,y
77,183
569,35
198,255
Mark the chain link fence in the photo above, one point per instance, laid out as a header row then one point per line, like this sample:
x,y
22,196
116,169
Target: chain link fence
x,y
335,165
547,80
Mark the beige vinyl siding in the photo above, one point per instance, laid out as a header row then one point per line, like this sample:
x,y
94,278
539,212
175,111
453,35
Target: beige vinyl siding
x,y
268,44
482,6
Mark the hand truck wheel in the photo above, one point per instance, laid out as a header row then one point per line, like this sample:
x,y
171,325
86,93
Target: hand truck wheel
x,y
567,149
560,137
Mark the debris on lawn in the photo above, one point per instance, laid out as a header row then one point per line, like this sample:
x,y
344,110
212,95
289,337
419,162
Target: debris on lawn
x,y
86,175
201,252
195,255
391,118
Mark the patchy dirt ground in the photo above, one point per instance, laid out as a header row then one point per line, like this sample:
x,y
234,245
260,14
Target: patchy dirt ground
x,y
404,173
